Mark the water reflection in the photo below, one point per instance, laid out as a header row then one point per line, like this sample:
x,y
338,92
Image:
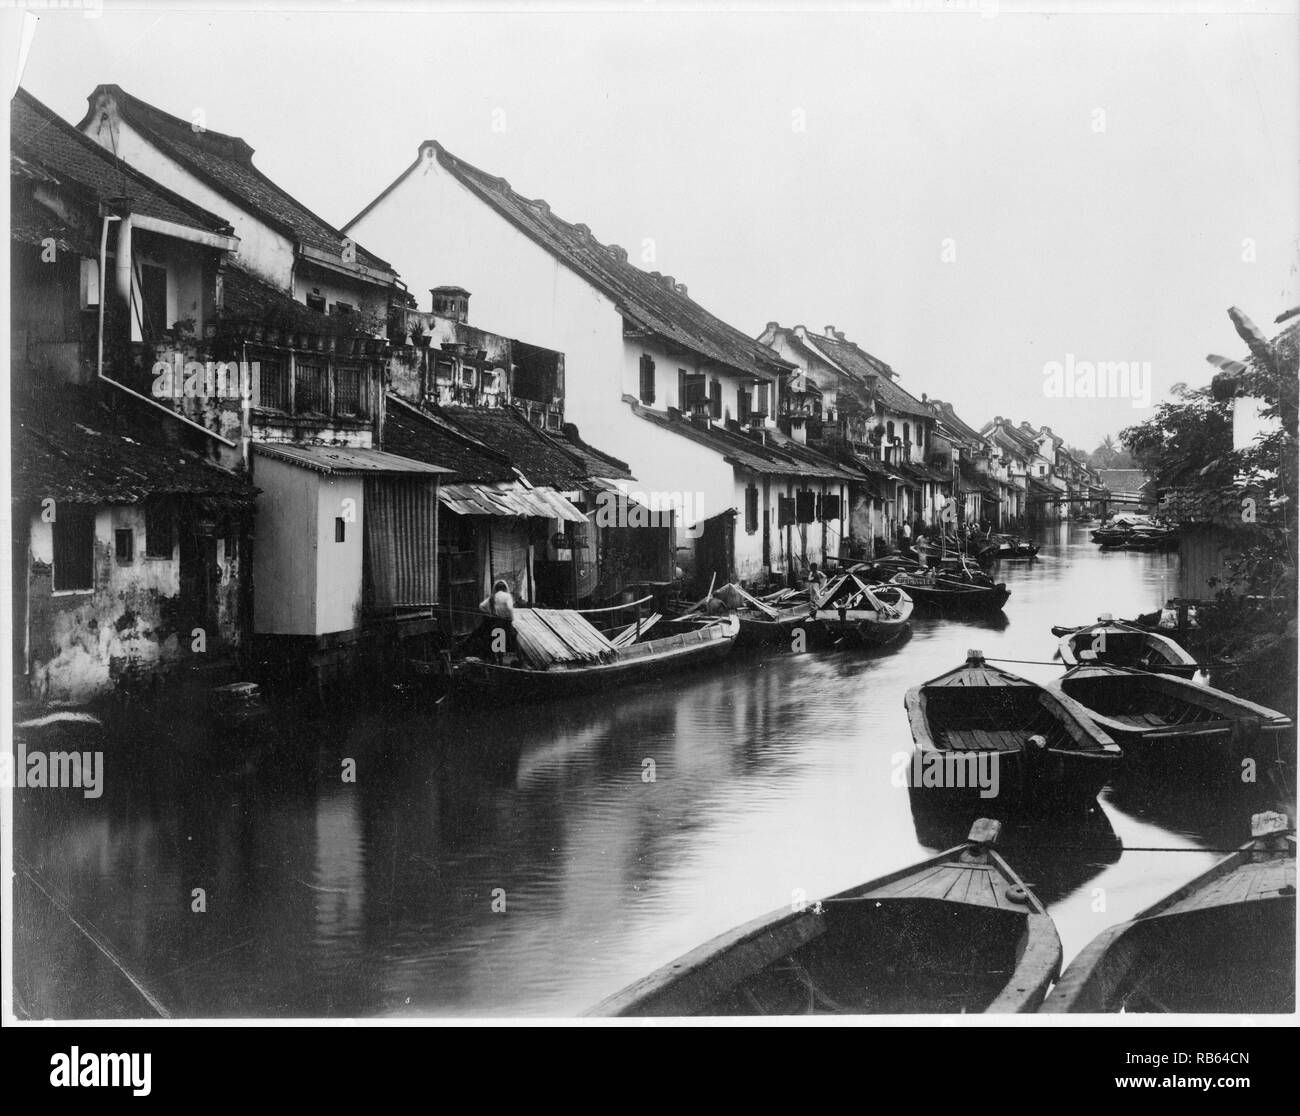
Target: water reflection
x,y
531,860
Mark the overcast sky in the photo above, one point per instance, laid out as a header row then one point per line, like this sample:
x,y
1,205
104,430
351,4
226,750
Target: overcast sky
x,y
1092,178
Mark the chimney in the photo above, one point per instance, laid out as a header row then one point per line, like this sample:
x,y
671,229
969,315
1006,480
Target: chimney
x,y
830,332
800,331
839,335
772,327
618,252
451,302
669,282
681,289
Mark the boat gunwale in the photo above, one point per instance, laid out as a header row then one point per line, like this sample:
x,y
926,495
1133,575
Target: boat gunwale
x,y
660,982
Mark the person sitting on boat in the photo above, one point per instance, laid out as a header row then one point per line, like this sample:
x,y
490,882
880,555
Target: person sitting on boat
x,y
500,609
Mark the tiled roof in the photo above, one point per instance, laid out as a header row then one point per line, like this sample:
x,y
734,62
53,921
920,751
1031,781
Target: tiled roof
x,y
647,300
42,137
226,164
70,447
1222,506
1124,480
31,223
954,422
538,457
598,464
416,434
872,371
747,453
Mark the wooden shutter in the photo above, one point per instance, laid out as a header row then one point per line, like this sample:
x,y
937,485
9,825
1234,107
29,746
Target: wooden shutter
x,y
647,378
805,507
715,399
751,509
831,506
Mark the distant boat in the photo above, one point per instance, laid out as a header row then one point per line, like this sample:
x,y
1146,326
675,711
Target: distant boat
x,y
678,644
1040,747
1012,546
950,594
1159,717
959,932
870,614
1121,644
1223,943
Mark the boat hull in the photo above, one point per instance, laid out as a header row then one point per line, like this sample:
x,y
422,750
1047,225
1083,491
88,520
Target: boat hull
x,y
1225,942
949,935
509,682
963,599
1165,722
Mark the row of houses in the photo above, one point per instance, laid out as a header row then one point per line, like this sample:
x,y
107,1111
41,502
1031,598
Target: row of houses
x,y
241,436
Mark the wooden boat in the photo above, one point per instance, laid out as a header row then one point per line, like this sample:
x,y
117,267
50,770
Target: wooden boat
x,y
1012,546
1224,943
949,594
677,644
766,620
1157,717
959,932
979,729
870,614
1120,644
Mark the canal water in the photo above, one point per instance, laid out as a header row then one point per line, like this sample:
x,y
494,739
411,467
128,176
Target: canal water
x,y
529,860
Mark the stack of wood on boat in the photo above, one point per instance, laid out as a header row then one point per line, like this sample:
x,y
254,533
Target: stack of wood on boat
x,y
984,733
1117,643
1135,532
959,932
560,652
851,607
768,619
1157,718
1225,942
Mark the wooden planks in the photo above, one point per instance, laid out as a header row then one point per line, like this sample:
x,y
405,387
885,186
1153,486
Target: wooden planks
x,y
548,636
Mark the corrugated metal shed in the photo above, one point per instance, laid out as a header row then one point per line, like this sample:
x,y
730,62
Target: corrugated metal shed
x,y
508,498
345,461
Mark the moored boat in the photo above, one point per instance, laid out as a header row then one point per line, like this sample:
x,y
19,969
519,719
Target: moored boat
x,y
870,614
959,932
1223,943
1012,546
983,733
677,645
1120,644
1157,717
950,594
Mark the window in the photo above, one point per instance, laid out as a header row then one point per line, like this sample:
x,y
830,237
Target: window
x,y
74,548
124,546
751,509
316,301
691,390
1042,470
647,378
715,399
889,431
340,530
273,384
784,511
805,510
347,390
159,530
907,433
742,406
342,308
830,508
309,388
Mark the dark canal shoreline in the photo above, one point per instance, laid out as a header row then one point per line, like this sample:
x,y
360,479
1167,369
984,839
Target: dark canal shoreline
x,y
771,772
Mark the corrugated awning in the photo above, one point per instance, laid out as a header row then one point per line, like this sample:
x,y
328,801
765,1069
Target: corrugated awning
x,y
508,498
344,461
